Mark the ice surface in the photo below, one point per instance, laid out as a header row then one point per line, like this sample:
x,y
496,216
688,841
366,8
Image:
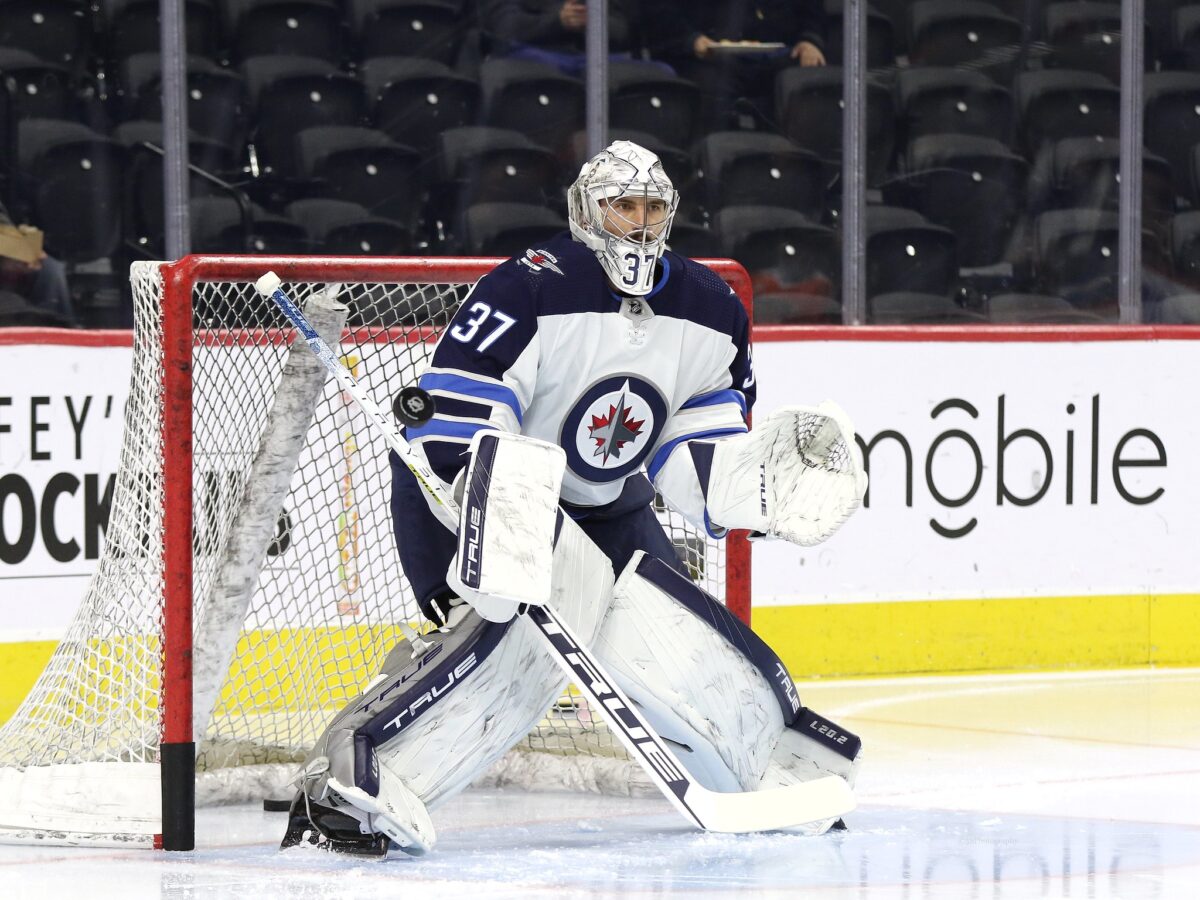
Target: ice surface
x,y
1080,786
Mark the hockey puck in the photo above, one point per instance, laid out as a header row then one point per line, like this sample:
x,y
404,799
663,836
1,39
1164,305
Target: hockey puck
x,y
270,805
412,406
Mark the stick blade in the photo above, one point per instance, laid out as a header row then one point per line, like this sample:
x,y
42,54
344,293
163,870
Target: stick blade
x,y
822,798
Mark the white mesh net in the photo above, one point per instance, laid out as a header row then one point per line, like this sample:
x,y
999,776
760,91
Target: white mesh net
x,y
327,603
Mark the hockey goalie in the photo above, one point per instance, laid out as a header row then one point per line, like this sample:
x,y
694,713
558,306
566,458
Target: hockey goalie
x,y
574,381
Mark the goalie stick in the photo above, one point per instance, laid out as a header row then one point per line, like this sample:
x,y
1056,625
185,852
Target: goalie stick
x,y
822,798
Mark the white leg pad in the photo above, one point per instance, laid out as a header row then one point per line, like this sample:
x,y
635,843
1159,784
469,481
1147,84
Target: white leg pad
x,y
691,683
427,727
799,758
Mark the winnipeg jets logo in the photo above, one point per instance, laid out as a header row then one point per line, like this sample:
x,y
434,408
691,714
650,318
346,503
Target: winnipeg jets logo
x,y
609,431
612,432
541,259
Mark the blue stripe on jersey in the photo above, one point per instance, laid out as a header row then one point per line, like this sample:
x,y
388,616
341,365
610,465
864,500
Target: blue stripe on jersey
x,y
664,452
447,428
714,398
461,384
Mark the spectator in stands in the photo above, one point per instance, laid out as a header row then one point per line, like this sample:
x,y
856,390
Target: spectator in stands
x,y
734,48
553,31
33,286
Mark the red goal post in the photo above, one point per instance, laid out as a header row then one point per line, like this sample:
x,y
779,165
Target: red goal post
x,y
181,283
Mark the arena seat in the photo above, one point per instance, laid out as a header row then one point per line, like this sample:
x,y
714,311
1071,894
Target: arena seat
x,y
508,229
752,168
414,99
942,100
974,186
71,180
808,107
953,32
1060,103
291,93
533,98
643,97
363,166
431,29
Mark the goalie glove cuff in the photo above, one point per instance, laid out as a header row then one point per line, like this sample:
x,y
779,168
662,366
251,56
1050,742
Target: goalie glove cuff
x,y
796,476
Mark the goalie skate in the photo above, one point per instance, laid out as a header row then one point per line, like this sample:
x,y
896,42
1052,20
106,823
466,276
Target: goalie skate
x,y
311,824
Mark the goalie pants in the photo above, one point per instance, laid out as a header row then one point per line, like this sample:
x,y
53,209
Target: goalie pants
x,y
426,546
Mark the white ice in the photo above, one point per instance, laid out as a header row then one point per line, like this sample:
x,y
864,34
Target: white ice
x,y
1080,786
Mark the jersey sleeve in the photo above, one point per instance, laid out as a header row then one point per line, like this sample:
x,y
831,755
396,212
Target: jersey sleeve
x,y
679,464
482,372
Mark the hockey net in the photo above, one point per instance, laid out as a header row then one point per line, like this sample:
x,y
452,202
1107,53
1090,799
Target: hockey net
x,y
287,594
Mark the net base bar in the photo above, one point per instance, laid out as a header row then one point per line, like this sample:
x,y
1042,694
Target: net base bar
x,y
60,804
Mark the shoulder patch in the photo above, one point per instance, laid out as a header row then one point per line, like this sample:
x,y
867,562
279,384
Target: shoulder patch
x,y
537,260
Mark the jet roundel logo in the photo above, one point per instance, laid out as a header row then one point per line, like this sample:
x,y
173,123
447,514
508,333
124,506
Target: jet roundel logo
x,y
612,427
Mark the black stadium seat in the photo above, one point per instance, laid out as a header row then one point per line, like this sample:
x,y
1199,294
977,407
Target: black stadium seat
x,y
753,168
71,180
941,100
953,32
291,93
219,226
339,228
477,164
1172,120
1077,255
415,99
973,186
643,97
533,98
144,224
1084,173
1085,35
1185,247
1060,103
508,229
363,166
216,101
296,27
905,253
431,29
39,89
55,31
808,107
782,249
693,240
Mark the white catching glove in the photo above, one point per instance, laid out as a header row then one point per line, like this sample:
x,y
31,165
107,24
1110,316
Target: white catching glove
x,y
798,475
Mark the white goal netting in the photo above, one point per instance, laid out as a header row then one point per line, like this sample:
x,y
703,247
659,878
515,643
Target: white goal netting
x,y
298,593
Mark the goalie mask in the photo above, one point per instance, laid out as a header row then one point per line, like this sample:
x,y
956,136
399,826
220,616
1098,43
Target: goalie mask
x,y
621,207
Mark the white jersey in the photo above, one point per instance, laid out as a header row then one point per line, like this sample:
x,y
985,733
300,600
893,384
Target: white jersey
x,y
544,347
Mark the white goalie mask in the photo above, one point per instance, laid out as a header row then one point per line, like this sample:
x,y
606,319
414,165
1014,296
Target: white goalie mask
x,y
621,206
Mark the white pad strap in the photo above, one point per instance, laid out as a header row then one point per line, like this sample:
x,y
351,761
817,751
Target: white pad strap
x,y
507,524
798,475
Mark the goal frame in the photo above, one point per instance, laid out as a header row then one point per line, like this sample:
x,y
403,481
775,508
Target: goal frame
x,y
177,751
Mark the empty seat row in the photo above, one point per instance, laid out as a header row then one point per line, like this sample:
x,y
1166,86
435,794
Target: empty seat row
x,y
69,32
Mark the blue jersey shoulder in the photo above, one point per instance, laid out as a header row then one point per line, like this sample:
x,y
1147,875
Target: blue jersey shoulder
x,y
697,293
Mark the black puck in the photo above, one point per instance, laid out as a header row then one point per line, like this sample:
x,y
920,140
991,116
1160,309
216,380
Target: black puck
x,y
270,805
412,406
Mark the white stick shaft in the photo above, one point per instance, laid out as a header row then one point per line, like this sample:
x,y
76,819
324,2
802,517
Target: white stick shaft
x,y
445,508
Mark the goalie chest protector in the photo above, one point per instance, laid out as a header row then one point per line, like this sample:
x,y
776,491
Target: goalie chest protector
x,y
544,346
